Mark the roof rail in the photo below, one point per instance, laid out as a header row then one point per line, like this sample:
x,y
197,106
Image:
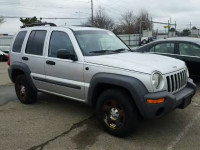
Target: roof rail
x,y
38,24
83,25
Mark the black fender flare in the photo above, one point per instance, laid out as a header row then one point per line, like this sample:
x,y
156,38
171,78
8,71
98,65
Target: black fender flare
x,y
135,87
25,69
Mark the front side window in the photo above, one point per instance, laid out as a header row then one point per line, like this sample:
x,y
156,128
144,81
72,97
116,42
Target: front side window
x,y
163,48
19,41
189,49
35,43
94,42
59,41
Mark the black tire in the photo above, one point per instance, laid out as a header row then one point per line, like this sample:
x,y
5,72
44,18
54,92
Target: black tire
x,y
128,117
25,93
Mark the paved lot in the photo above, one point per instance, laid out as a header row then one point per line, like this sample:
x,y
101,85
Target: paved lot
x,y
58,123
4,79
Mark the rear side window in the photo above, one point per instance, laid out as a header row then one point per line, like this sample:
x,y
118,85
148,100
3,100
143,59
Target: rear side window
x,y
189,49
164,48
35,42
17,46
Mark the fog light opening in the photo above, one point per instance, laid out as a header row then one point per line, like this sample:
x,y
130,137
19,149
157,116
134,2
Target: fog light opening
x,y
160,111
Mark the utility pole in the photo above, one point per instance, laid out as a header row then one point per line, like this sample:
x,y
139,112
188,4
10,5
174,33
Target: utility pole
x,y
92,11
168,28
190,25
175,28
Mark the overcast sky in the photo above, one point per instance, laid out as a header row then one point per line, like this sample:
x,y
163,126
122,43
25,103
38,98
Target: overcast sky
x,y
182,11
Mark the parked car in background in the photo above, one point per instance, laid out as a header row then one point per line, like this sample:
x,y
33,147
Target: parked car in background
x,y
145,40
186,49
4,50
3,56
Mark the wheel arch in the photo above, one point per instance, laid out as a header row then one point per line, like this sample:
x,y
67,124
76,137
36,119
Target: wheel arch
x,y
18,68
103,81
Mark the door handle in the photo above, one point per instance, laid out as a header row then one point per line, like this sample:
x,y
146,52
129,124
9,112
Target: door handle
x,y
25,58
50,62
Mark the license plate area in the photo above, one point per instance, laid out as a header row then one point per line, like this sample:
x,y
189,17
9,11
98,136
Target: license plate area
x,y
186,102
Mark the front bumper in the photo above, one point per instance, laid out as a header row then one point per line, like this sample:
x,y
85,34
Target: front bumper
x,y
178,100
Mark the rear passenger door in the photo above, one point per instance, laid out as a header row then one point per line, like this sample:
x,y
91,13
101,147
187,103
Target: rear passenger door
x,y
34,55
190,53
165,48
63,76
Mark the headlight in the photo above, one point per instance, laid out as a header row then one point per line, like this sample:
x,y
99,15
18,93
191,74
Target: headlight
x,y
156,80
187,72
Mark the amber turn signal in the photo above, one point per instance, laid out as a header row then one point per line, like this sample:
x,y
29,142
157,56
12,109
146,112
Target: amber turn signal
x,y
156,101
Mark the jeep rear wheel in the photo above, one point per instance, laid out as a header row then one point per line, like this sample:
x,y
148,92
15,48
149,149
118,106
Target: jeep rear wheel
x,y
117,113
24,92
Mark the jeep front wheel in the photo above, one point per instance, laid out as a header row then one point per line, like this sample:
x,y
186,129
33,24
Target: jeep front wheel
x,y
117,113
24,91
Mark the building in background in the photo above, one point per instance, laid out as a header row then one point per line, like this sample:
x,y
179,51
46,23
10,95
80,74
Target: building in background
x,y
195,33
5,39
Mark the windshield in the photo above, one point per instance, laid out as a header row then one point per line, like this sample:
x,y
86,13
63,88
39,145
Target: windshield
x,y
99,42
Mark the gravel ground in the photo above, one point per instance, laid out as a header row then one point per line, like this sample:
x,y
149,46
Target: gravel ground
x,y
4,79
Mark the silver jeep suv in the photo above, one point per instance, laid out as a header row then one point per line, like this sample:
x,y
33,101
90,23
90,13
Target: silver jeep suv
x,y
94,66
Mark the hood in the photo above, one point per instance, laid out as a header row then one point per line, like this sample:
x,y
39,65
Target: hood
x,y
140,62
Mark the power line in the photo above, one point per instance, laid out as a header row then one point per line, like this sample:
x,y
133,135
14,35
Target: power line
x,y
112,8
24,6
17,17
77,1
117,5
44,10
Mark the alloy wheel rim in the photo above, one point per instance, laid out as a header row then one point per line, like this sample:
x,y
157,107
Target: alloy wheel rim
x,y
114,114
22,91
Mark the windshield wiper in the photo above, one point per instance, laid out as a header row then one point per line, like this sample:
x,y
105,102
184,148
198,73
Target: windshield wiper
x,y
101,51
109,51
120,50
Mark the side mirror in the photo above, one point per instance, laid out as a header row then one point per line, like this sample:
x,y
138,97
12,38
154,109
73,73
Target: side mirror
x,y
65,54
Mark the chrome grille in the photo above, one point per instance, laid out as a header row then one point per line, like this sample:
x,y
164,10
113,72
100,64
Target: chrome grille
x,y
176,81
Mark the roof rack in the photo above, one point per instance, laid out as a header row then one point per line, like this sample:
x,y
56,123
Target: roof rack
x,y
38,24
83,25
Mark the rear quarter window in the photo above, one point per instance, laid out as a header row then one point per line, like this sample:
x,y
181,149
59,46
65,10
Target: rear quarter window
x,y
35,42
17,46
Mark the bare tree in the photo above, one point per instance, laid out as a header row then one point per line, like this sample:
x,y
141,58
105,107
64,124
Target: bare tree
x,y
1,20
118,29
101,20
128,22
143,16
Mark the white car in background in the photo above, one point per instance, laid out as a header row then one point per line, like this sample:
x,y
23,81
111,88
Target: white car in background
x,y
4,50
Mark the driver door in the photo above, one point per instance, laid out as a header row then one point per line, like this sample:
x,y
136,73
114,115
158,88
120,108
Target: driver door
x,y
63,76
